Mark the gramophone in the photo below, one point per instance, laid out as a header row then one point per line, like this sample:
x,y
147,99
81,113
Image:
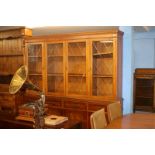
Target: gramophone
x,y
20,83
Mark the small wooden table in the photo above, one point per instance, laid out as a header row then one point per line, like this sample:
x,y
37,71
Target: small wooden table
x,y
12,123
134,121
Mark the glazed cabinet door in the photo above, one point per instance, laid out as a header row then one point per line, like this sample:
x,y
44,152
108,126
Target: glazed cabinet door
x,y
35,63
76,68
55,68
102,68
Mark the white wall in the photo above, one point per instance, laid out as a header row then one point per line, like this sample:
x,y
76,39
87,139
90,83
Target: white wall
x,y
127,89
144,50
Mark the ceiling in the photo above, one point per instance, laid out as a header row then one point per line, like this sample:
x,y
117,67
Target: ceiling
x,y
144,28
46,30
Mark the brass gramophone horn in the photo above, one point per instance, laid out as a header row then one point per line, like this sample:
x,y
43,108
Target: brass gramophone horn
x,y
18,79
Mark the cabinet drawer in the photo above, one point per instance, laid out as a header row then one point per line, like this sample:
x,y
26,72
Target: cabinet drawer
x,y
76,105
54,101
52,111
75,115
95,107
54,104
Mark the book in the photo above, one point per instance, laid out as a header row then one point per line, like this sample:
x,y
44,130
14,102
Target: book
x,y
25,118
55,120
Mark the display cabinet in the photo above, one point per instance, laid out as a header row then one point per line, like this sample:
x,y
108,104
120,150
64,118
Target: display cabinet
x,y
144,89
89,67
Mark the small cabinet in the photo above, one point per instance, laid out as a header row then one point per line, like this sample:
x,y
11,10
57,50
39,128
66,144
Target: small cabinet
x,y
144,89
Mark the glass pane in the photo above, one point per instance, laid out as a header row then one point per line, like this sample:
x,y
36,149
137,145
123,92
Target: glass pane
x,y
102,68
77,68
55,49
77,49
35,64
36,80
102,46
77,85
55,68
102,86
56,84
35,50
55,65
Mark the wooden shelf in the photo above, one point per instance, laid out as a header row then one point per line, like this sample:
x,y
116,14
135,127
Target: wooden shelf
x,y
144,97
76,55
144,86
11,55
11,37
102,76
55,74
103,54
10,51
146,107
76,75
35,74
53,56
35,56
